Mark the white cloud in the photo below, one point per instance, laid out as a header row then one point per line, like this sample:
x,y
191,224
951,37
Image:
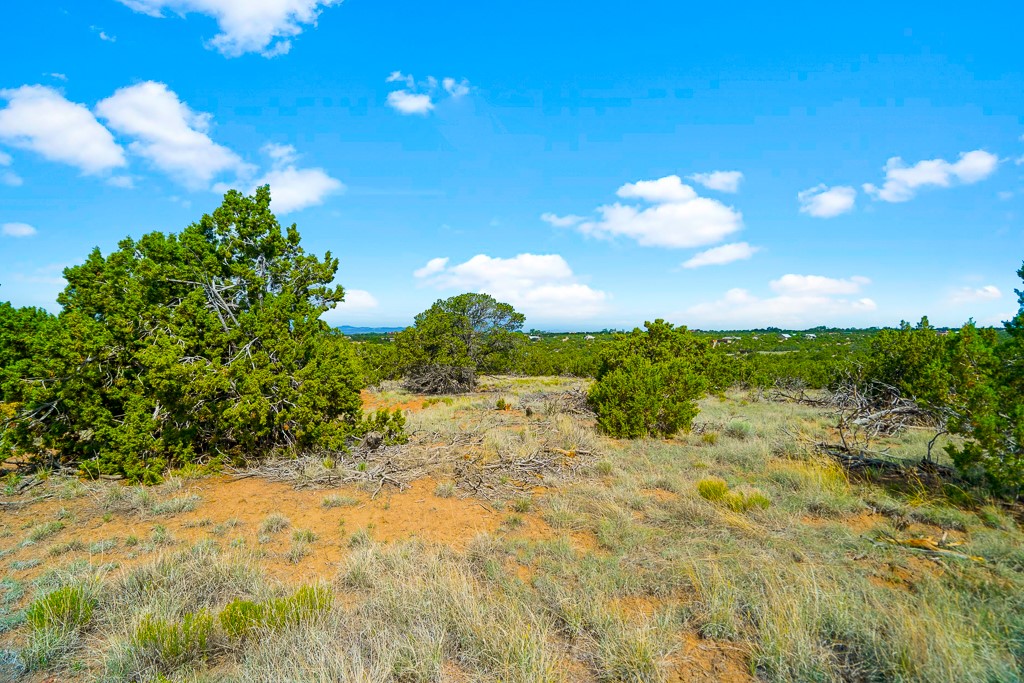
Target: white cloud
x,y
122,181
103,35
902,182
168,133
434,266
971,294
263,26
719,256
420,97
561,221
8,177
291,188
59,76
405,102
357,303
722,181
17,230
678,218
667,189
40,119
822,201
801,300
817,285
456,88
542,286
280,154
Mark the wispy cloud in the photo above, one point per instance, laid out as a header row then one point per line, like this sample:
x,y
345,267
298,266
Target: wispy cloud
x,y
17,230
822,201
720,256
721,181
420,97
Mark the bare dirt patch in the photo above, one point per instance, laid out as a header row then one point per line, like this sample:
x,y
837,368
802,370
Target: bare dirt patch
x,y
232,511
708,660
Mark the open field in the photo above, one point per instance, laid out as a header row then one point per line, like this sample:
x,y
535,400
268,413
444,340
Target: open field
x,y
518,545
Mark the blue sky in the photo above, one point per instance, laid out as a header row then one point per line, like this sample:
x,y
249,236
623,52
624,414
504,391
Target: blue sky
x,y
593,164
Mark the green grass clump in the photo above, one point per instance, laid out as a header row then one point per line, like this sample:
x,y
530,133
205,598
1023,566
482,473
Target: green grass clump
x,y
274,523
18,565
242,618
72,546
160,536
712,488
716,490
169,645
303,536
43,531
743,501
445,489
54,621
173,506
64,609
738,429
338,501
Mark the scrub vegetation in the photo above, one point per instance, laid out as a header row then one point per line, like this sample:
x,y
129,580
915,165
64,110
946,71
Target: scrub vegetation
x,y
202,482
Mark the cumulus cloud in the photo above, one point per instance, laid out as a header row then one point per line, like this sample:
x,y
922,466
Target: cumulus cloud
x,y
263,26
292,188
800,300
17,230
40,119
902,182
405,102
670,214
722,181
822,201
168,133
719,256
419,97
542,286
972,294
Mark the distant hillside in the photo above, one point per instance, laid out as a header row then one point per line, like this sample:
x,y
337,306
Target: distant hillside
x,y
348,329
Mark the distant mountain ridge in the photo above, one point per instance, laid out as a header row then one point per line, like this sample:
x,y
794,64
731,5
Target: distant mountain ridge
x,y
349,329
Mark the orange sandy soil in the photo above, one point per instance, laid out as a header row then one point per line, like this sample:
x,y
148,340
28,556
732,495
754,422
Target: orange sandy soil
x,y
372,401
244,503
393,515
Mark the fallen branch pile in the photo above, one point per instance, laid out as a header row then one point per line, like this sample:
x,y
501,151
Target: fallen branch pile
x,y
474,464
